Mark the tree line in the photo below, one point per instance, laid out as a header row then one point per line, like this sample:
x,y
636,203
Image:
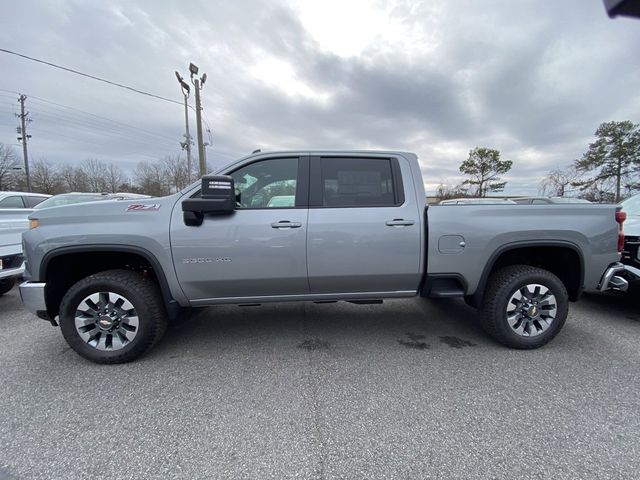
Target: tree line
x,y
608,171
162,177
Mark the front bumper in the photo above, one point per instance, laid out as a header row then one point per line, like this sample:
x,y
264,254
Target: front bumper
x,y
614,279
631,274
12,272
32,295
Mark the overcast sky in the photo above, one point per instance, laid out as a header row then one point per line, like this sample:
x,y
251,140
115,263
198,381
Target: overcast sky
x,y
530,78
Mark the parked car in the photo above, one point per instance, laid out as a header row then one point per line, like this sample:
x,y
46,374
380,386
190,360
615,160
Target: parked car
x,y
631,250
12,223
477,201
282,201
547,200
14,209
111,277
15,200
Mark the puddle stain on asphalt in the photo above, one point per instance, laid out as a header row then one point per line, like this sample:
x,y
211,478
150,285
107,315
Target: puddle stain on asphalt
x,y
414,342
311,344
455,342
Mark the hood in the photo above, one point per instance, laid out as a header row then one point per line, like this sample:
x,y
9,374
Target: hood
x,y
106,210
632,226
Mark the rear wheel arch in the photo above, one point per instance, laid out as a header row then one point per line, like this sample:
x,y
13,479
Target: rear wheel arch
x,y
563,259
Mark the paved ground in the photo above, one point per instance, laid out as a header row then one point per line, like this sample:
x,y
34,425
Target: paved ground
x,y
408,389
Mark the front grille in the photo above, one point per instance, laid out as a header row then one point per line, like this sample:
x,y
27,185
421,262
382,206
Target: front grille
x,y
12,261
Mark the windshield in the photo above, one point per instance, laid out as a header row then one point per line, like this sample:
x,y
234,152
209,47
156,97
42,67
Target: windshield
x,y
632,205
60,200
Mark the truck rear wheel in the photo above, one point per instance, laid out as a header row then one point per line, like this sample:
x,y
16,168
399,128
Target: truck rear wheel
x,y
113,316
524,307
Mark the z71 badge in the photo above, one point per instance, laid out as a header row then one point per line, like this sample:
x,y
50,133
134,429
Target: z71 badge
x,y
141,207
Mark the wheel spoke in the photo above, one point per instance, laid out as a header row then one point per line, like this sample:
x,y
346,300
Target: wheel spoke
x,y
104,299
103,331
118,341
531,310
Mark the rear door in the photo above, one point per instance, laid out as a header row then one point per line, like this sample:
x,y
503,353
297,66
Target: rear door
x,y
260,249
364,226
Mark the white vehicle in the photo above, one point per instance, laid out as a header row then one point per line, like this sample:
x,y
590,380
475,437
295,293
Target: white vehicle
x,y
12,224
21,199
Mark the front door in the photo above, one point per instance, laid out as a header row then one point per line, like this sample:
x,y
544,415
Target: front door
x,y
260,249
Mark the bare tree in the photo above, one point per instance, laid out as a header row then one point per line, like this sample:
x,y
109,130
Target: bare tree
x,y
114,177
45,178
445,191
175,172
74,178
8,165
97,175
151,178
558,182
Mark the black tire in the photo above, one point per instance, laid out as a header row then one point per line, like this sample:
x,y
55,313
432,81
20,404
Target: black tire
x,y
141,292
6,284
506,282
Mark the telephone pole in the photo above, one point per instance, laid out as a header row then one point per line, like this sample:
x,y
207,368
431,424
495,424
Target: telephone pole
x,y
23,131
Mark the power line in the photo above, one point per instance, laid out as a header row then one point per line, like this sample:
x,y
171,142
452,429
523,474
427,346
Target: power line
x,y
88,142
99,126
104,118
116,122
77,72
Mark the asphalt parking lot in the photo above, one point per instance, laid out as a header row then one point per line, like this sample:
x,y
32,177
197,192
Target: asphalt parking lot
x,y
408,389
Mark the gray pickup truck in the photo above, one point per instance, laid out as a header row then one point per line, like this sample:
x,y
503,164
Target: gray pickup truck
x,y
319,226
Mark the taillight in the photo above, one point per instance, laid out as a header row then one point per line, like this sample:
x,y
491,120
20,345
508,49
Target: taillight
x,y
620,218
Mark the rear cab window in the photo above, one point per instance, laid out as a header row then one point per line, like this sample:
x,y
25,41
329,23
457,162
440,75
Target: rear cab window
x,y
355,182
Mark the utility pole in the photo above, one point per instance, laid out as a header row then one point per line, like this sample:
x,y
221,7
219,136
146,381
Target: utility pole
x,y
23,131
198,83
187,142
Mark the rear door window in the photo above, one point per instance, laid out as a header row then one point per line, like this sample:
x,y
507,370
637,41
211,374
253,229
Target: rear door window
x,y
357,182
32,201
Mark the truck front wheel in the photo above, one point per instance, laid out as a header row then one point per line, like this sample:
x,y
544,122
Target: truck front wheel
x,y
113,316
524,307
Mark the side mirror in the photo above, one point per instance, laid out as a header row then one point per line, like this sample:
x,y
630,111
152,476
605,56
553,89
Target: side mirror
x,y
217,198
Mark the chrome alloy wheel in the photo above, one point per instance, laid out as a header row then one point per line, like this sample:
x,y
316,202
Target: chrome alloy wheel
x,y
531,310
106,321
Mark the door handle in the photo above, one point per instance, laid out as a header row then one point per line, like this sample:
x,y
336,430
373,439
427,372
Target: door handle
x,y
399,222
286,224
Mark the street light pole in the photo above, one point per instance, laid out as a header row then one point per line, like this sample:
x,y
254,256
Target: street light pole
x,y
187,136
198,83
